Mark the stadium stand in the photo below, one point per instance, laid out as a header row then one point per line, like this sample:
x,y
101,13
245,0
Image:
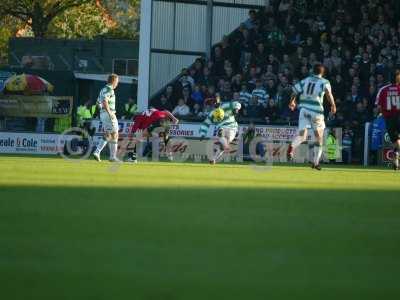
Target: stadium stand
x,y
258,63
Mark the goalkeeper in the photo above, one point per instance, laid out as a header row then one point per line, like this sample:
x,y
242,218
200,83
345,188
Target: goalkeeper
x,y
223,117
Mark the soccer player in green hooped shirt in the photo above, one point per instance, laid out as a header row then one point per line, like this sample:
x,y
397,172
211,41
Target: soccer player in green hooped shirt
x,y
106,102
223,117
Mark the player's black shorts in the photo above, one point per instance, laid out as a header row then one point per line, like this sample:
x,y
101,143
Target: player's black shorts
x,y
159,124
393,127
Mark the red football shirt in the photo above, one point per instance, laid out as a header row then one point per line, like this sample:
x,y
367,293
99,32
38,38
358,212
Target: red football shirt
x,y
147,118
388,99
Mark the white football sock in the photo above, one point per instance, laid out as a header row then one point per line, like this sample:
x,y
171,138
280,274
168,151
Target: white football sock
x,y
218,154
100,146
317,153
113,149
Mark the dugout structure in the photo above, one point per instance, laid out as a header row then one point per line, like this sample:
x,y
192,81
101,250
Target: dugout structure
x,y
173,33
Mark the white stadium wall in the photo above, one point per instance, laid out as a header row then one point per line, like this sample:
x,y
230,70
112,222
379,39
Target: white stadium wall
x,y
225,20
164,67
175,33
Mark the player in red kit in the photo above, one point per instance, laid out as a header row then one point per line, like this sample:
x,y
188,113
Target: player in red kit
x,y
388,101
147,122
152,118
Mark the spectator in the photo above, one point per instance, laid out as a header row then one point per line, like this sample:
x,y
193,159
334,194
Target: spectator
x,y
186,81
181,110
260,93
130,109
250,23
254,109
347,143
163,103
186,96
170,95
198,112
271,112
378,129
197,96
245,96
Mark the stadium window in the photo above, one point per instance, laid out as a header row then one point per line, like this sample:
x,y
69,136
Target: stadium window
x,y
119,66
125,67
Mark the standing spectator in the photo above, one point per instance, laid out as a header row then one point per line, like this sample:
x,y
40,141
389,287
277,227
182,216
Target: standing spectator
x,y
378,129
250,23
260,93
347,143
130,109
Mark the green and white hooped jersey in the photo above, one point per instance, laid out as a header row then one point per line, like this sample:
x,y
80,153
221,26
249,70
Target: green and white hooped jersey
x,y
107,93
311,91
229,120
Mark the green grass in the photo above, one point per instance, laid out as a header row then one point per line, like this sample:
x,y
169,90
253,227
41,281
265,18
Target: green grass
x,y
156,231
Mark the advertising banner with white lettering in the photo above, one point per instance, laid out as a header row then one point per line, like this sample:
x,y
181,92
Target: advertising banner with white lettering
x,y
32,143
191,130
35,106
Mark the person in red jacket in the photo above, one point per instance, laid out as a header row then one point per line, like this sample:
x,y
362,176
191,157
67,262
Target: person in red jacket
x,y
147,122
388,102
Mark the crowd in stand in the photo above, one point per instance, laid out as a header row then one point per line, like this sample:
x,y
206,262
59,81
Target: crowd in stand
x,y
357,40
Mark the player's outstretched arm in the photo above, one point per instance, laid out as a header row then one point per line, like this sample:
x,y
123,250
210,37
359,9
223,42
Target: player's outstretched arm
x,y
171,117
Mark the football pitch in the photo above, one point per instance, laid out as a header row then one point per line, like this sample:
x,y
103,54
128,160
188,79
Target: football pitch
x,y
170,231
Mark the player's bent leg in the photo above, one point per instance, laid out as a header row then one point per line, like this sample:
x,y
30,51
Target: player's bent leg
x,y
100,147
223,144
298,140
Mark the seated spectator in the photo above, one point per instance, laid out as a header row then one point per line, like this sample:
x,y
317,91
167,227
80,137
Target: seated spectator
x,y
260,55
198,112
245,96
290,117
186,80
186,96
254,109
236,83
236,97
226,92
163,104
181,110
197,96
170,95
271,112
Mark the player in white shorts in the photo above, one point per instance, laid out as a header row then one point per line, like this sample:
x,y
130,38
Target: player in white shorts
x,y
106,101
311,92
223,117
